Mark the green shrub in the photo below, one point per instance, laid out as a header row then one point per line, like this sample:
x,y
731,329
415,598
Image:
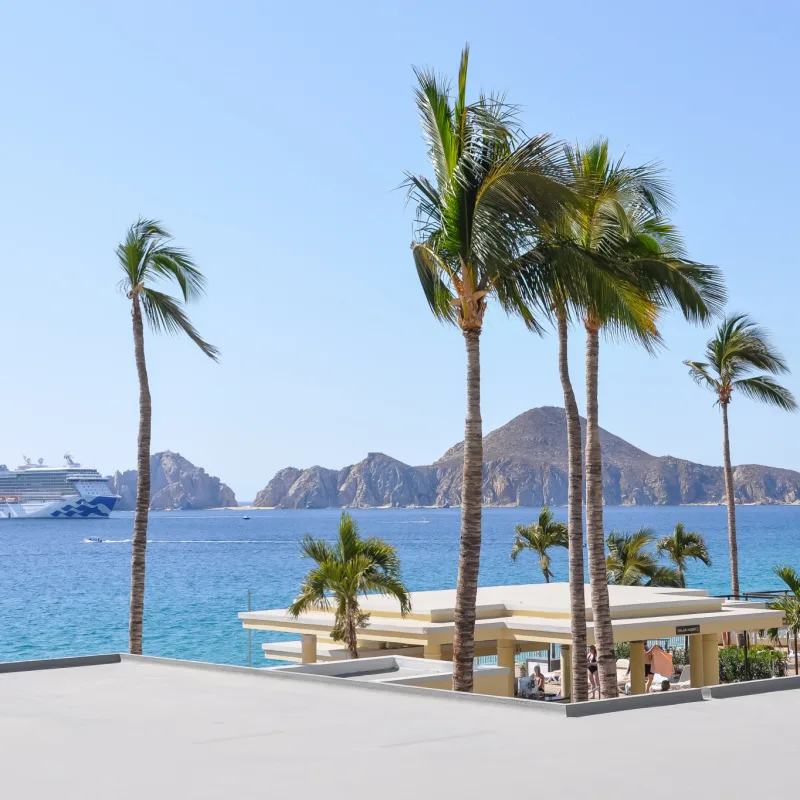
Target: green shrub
x,y
622,650
763,661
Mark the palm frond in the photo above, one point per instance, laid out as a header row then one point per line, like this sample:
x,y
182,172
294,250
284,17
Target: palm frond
x,y
790,577
166,314
766,390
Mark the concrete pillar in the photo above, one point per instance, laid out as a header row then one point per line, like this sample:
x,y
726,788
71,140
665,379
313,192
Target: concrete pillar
x,y
566,670
638,680
710,660
505,658
432,651
308,648
697,673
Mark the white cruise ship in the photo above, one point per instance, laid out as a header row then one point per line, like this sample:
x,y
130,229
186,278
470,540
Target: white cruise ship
x,y
68,492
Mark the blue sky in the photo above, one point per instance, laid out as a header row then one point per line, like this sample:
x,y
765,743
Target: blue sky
x,y
269,138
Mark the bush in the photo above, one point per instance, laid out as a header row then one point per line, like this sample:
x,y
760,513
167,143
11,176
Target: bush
x,y
622,650
763,661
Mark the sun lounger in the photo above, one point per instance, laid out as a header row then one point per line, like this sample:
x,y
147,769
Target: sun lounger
x,y
685,679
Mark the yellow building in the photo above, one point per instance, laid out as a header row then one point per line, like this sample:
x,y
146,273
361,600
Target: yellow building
x,y
525,618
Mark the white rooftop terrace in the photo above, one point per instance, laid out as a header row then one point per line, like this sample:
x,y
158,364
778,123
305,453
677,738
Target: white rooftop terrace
x,y
159,730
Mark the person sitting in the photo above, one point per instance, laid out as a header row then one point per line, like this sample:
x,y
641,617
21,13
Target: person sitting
x,y
537,681
665,685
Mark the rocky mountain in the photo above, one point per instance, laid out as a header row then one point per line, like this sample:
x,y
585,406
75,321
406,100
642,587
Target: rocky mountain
x,y
174,483
525,464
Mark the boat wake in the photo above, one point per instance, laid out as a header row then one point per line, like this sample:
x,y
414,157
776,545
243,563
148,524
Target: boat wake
x,y
94,540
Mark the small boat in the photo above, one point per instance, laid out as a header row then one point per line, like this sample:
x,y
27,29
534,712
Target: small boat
x,y
95,539
245,517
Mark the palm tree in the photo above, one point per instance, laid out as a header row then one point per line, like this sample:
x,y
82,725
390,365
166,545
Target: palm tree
x,y
682,546
540,537
474,224
350,567
790,605
621,224
740,348
146,257
631,563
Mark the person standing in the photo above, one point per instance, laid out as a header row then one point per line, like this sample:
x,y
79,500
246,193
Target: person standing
x,y
591,665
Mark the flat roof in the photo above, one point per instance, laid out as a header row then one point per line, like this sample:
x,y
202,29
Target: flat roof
x,y
152,729
534,612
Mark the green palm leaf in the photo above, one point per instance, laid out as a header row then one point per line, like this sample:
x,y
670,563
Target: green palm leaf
x,y
540,538
350,567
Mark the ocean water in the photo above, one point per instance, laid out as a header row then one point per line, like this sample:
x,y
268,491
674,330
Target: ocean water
x,y
63,595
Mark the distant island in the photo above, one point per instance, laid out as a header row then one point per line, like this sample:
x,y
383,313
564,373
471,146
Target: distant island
x,y
525,464
174,483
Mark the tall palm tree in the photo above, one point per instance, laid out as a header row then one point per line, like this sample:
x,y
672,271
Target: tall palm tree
x,y
581,280
147,257
740,348
540,537
683,546
474,223
621,223
790,605
630,562
345,570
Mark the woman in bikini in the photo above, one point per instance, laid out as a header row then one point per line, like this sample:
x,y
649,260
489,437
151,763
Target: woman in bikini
x,y
591,665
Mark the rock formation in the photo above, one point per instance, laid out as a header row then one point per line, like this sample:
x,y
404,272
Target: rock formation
x,y
525,464
174,483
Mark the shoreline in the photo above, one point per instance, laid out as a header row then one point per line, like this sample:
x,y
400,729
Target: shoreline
x,y
450,508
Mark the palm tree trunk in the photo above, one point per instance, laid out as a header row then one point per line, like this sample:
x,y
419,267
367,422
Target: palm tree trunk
x,y
577,598
352,635
139,543
471,497
731,502
595,540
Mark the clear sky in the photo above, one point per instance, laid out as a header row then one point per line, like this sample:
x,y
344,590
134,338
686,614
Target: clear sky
x,y
269,138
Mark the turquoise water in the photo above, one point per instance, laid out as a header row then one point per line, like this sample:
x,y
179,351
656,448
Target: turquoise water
x,y
61,595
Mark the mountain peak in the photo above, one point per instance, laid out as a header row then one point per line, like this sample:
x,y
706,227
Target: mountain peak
x,y
525,464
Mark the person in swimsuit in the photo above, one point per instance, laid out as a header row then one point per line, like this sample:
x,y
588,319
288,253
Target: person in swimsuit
x,y
591,665
648,668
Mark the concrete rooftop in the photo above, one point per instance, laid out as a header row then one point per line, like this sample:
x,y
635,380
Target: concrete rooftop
x,y
148,729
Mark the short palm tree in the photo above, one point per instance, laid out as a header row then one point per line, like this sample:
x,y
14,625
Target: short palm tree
x,y
790,605
682,547
621,224
739,349
147,257
474,223
540,537
351,567
630,562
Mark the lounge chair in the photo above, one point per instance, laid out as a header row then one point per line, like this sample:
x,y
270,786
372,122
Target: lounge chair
x,y
685,679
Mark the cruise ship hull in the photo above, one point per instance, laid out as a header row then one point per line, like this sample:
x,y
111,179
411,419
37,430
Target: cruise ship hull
x,y
74,507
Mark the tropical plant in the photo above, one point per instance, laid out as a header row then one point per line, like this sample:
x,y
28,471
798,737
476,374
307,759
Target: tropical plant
x,y
351,567
790,605
621,224
630,562
540,537
762,662
475,222
683,546
148,257
740,348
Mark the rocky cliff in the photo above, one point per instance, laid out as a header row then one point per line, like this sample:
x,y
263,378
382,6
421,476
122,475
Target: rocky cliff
x,y
525,464
174,483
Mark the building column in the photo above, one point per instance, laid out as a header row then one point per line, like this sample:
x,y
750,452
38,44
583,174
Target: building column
x,y
505,658
697,672
710,660
432,651
308,645
638,679
566,670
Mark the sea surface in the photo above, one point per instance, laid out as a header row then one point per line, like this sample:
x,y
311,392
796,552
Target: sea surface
x,y
61,594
